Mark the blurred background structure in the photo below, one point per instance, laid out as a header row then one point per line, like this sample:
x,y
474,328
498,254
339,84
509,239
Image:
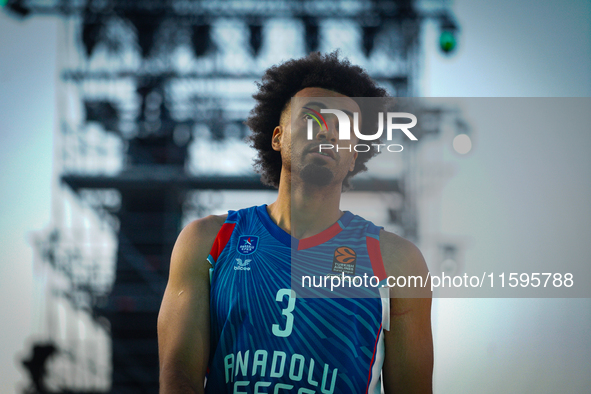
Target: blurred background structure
x,y
151,103
148,112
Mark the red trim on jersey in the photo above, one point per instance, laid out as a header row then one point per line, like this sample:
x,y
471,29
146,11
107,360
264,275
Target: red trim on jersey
x,y
373,357
375,256
221,240
320,238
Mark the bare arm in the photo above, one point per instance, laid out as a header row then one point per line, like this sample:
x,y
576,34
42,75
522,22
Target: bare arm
x,y
183,321
408,363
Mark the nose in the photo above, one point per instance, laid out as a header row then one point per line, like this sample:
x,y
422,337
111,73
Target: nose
x,y
331,134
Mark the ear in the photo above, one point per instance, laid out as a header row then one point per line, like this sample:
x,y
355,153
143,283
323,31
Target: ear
x,y
352,166
276,140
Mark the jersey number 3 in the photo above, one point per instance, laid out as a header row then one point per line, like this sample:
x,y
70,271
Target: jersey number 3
x,y
287,312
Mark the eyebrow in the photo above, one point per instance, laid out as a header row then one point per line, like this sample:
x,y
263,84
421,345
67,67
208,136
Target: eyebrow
x,y
322,105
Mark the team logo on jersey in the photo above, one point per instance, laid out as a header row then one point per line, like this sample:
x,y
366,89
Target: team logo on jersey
x,y
344,260
242,265
247,244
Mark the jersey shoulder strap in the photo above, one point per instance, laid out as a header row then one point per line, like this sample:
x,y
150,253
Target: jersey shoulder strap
x,y
372,239
221,240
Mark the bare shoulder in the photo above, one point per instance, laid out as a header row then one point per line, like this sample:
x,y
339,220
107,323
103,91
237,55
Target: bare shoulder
x,y
206,227
200,231
400,255
194,243
402,258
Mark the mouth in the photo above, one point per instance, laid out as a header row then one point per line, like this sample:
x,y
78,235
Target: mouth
x,y
329,153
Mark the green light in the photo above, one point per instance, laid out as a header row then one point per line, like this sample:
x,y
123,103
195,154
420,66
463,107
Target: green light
x,y
447,41
3,3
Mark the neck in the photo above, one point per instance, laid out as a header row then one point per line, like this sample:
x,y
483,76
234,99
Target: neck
x,y
303,210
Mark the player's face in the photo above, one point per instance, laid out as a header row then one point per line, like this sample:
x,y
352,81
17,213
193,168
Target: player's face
x,y
303,156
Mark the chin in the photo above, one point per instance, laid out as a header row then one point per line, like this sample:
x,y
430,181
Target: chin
x,y
317,175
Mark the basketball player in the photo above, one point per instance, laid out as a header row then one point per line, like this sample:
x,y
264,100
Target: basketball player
x,y
230,319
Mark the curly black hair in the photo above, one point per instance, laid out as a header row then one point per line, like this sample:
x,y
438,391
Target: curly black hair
x,y
281,82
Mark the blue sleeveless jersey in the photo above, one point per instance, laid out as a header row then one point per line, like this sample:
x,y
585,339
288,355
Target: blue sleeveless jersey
x,y
264,339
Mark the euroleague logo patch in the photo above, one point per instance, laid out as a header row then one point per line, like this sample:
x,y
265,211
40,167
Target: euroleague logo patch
x,y
247,244
344,260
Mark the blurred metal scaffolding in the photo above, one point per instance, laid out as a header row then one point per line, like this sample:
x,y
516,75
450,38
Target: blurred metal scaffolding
x,y
152,97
